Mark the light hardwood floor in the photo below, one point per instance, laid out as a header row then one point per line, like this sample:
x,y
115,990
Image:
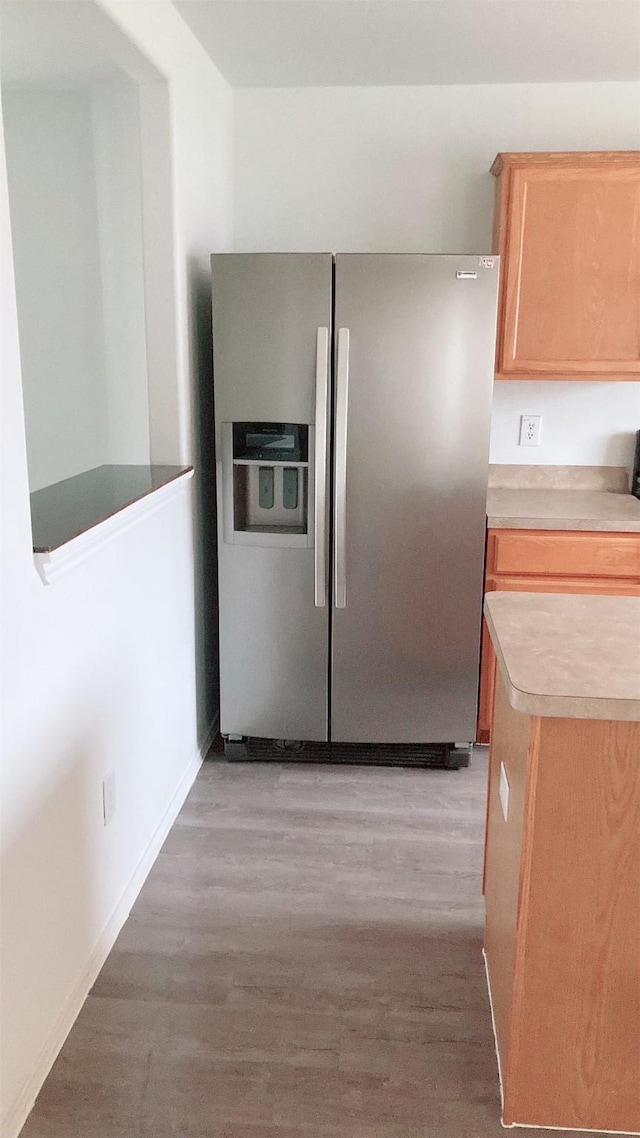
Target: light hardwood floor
x,y
304,961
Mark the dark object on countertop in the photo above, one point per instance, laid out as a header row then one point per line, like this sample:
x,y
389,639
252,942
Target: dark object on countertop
x,y
635,477
71,507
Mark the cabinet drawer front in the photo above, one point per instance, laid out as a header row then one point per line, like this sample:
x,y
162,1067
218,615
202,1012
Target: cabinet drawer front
x,y
566,554
604,586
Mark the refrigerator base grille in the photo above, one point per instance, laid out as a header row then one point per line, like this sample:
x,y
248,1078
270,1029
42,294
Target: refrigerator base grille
x,y
436,755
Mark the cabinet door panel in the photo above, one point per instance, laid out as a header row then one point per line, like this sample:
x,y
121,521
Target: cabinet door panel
x,y
571,268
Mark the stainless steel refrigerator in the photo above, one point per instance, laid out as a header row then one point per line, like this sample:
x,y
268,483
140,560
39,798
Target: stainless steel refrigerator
x,y
352,410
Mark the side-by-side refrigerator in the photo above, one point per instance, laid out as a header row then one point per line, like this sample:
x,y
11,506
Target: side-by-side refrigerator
x,y
352,410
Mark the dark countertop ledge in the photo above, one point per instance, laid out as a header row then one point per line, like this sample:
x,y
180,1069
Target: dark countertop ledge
x,y
71,507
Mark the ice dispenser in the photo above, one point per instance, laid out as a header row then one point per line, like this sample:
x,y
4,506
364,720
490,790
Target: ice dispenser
x,y
266,483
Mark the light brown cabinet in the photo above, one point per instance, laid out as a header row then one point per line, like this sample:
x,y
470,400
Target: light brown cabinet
x,y
562,864
552,561
567,228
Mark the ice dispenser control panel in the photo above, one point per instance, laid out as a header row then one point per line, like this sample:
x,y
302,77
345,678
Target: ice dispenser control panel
x,y
273,442
269,471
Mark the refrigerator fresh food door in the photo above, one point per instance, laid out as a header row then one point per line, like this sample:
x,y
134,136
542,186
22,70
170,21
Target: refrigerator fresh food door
x,y
271,350
415,338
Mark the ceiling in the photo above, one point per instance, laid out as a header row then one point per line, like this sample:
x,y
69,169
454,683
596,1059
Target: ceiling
x,y
49,44
308,43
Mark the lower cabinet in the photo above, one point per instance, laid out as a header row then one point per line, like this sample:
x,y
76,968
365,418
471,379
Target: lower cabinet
x,y
562,866
552,561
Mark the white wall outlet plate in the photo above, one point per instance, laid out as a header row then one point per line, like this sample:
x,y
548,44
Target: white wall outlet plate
x,y
108,797
504,792
530,430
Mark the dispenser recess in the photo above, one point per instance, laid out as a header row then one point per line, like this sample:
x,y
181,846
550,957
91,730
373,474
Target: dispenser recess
x,y
266,482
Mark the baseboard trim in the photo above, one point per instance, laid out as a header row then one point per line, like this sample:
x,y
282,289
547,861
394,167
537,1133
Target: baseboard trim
x,y
12,1122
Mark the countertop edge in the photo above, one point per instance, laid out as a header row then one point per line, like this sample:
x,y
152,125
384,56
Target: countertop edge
x,y
177,473
572,707
560,706
579,525
53,563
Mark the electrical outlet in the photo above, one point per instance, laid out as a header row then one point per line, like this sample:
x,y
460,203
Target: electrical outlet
x,y
108,797
530,430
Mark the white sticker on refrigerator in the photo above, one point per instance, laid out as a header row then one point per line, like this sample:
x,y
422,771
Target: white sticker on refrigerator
x,y
487,262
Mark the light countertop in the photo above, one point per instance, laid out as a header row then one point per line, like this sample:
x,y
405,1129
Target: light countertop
x,y
567,656
562,497
562,509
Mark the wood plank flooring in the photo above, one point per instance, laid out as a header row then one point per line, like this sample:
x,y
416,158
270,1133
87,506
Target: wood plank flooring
x,y
304,961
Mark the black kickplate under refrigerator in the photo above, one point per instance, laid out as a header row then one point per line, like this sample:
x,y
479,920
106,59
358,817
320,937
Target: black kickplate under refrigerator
x,y
439,755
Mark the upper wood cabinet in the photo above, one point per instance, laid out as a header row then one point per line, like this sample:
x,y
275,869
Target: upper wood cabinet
x,y
567,228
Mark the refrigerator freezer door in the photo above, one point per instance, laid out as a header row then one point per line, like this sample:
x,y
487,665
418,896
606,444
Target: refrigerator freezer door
x,y
405,646
269,358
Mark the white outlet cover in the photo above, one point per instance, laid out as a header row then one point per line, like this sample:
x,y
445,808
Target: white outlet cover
x,y
530,430
504,792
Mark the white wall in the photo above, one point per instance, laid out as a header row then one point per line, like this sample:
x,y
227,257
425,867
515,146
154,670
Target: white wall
x,y
73,159
98,668
200,140
115,116
406,169
196,210
57,256
583,424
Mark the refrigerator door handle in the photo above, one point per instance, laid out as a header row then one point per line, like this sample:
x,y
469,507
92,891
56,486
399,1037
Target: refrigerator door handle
x,y
320,496
340,507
